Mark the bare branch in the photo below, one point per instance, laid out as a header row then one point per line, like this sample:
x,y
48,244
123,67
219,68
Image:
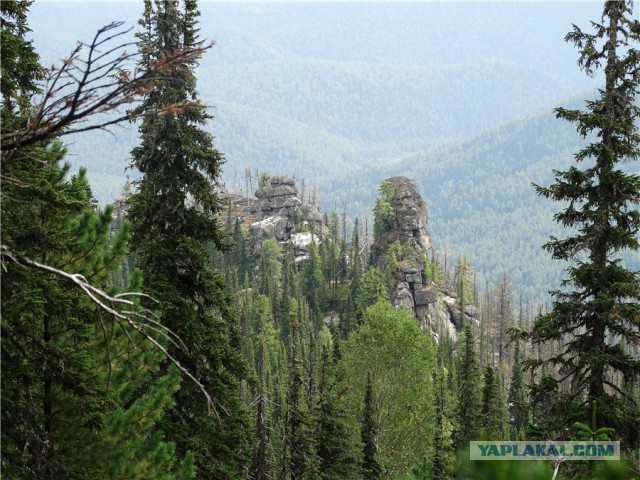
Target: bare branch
x,y
98,82
138,320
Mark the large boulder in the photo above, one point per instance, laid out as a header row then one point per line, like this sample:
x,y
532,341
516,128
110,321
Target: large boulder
x,y
300,243
426,295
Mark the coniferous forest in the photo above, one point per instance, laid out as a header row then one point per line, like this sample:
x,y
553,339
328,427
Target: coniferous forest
x,y
194,327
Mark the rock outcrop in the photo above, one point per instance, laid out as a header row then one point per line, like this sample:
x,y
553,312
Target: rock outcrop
x,y
401,251
282,215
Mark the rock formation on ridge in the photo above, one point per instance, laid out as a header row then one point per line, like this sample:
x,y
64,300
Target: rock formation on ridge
x,y
282,215
401,250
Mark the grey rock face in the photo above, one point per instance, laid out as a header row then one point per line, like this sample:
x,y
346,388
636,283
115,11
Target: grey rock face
x,y
426,295
436,309
410,213
280,210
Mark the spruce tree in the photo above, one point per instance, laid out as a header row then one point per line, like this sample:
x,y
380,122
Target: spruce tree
x,y
298,458
334,446
174,214
21,69
598,307
371,290
313,284
441,464
371,469
518,400
469,401
493,414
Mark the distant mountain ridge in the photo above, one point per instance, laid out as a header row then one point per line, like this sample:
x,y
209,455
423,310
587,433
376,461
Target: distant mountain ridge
x,y
345,95
308,89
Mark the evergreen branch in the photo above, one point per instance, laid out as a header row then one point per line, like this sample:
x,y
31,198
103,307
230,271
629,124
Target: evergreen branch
x,y
108,304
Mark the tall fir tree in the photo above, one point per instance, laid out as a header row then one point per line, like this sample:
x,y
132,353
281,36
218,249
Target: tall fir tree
x,y
371,469
313,284
469,380
78,395
298,460
518,400
174,214
598,308
371,290
493,415
335,448
442,459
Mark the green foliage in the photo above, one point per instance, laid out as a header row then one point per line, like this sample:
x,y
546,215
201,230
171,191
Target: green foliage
x,y
174,214
467,416
299,461
585,433
504,470
383,210
313,283
598,308
81,394
400,359
370,431
270,272
335,444
493,414
518,400
371,290
464,280
81,397
441,465
21,69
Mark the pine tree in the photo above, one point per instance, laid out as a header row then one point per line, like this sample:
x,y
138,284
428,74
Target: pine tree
x,y
371,469
599,307
174,214
518,400
468,408
72,380
78,397
493,415
298,458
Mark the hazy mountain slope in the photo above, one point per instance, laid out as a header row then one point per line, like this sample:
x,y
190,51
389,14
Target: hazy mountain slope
x,y
346,94
319,90
481,201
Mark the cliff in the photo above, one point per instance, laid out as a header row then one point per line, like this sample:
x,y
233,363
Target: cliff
x,y
401,250
278,213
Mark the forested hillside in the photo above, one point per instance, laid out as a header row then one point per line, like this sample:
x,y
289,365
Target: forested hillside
x,y
313,89
345,96
394,239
